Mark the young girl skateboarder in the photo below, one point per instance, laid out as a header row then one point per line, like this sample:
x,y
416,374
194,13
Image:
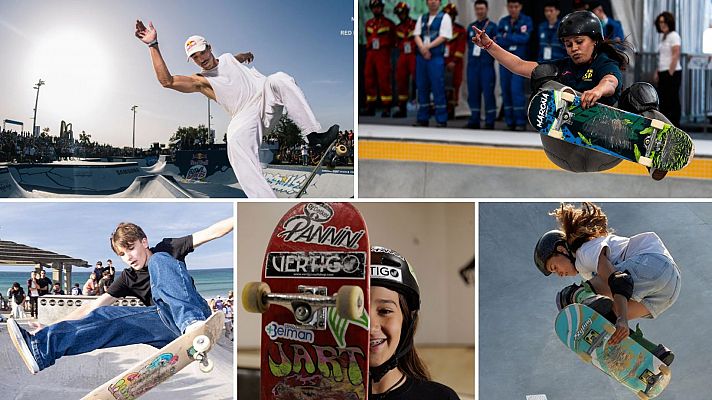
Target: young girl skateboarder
x,y
396,371
625,277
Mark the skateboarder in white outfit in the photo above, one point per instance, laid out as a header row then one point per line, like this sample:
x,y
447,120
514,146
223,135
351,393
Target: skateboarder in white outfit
x,y
254,101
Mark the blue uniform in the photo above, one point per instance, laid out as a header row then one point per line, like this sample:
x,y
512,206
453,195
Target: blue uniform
x,y
480,76
612,30
513,37
548,38
430,74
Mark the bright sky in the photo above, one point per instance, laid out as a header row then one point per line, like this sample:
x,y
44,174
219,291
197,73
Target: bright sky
x,y
82,230
95,69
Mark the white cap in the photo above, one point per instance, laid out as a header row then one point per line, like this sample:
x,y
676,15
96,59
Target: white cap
x,y
195,44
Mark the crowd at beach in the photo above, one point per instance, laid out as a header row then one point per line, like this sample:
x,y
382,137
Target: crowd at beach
x,y
224,305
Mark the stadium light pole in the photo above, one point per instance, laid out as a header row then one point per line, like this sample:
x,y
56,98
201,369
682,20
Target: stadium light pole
x,y
37,98
133,137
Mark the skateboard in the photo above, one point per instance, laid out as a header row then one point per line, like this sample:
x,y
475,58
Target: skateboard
x,y
334,150
587,332
314,300
164,363
650,142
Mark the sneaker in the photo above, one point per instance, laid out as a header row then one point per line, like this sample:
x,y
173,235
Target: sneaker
x,y
657,174
441,125
19,338
386,113
421,123
197,324
401,113
664,354
323,138
472,125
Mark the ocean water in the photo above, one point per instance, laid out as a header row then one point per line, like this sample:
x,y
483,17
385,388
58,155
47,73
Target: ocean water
x,y
209,282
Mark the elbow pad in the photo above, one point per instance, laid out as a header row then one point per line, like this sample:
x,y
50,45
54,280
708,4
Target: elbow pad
x,y
621,283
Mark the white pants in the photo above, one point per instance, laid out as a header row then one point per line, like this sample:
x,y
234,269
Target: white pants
x,y
17,311
280,92
244,134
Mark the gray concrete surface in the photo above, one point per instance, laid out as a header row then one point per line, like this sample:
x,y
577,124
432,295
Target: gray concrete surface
x,y
74,376
519,353
379,178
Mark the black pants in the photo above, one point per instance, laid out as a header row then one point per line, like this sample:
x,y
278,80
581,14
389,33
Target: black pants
x,y
33,306
669,93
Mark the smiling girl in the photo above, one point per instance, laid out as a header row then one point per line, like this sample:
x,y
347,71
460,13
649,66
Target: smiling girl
x,y
396,370
625,277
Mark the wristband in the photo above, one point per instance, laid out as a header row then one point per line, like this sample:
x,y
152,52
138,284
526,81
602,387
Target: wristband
x,y
154,43
488,45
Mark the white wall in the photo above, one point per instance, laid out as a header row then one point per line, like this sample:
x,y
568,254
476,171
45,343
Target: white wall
x,y
436,238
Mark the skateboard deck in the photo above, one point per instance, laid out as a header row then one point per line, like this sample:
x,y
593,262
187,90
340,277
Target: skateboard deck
x,y
650,142
314,300
163,363
586,333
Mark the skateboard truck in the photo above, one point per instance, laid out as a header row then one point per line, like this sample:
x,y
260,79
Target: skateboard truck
x,y
309,305
199,353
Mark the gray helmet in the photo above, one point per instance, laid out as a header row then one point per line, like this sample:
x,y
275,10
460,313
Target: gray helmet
x,y
581,23
546,247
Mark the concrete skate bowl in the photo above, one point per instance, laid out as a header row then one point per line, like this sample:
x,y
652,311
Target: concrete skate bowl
x,y
74,376
519,353
147,186
83,178
397,161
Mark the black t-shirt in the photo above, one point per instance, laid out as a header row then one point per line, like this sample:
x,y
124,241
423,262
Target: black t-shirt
x,y
45,282
17,296
587,76
416,390
138,283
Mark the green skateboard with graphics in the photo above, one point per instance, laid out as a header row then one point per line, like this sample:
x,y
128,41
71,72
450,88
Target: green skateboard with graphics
x,y
652,143
314,300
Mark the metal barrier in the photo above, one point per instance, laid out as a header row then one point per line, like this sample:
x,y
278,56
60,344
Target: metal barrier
x,y
52,308
696,90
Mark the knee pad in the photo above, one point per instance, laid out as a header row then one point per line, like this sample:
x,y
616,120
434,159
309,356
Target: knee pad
x,y
570,157
639,97
566,296
542,73
621,283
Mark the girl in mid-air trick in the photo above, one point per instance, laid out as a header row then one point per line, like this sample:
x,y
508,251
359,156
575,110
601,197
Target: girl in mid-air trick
x,y
625,277
593,67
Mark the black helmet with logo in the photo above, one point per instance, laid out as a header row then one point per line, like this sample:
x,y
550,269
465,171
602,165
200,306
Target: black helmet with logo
x,y
391,270
581,23
546,247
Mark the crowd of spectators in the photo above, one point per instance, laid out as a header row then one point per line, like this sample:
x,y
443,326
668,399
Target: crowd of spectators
x,y
303,154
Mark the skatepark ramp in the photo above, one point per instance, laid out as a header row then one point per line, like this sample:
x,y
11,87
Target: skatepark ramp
x,y
517,306
397,161
74,376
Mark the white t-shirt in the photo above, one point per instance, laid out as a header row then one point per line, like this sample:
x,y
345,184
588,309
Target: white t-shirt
x,y
235,85
620,248
445,26
665,51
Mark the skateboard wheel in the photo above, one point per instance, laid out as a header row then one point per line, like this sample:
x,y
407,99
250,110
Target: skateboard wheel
x,y
568,97
556,134
201,343
642,395
349,302
585,357
609,328
664,369
206,365
657,124
341,150
254,297
645,161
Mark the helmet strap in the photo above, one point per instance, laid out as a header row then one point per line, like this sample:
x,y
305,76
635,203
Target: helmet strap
x,y
377,373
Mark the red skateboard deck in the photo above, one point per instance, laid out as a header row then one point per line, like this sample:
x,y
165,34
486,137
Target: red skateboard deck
x,y
314,297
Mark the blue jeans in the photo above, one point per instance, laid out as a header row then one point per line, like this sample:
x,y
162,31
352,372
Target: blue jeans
x,y
430,77
176,304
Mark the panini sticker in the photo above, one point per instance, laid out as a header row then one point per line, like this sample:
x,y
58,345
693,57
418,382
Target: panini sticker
x,y
351,265
310,227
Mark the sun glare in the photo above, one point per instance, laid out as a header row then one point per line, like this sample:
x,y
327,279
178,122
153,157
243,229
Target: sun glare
x,y
75,67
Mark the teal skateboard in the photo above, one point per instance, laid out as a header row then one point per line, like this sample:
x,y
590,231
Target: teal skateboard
x,y
587,332
650,142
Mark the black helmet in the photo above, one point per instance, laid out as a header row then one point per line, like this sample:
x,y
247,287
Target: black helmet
x,y
391,270
546,247
581,23
375,3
